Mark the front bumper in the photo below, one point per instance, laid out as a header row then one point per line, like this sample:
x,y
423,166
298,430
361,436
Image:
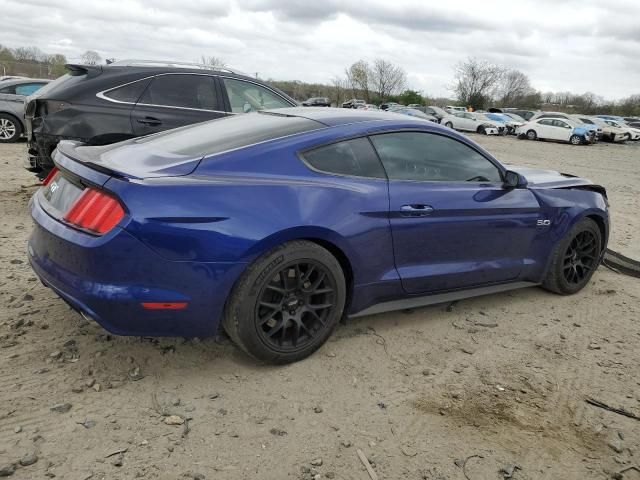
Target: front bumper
x,y
108,278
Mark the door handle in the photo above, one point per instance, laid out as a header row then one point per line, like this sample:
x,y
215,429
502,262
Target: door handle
x,y
415,210
150,121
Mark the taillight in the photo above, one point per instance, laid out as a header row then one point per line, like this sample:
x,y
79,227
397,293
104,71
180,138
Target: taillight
x,y
95,211
50,176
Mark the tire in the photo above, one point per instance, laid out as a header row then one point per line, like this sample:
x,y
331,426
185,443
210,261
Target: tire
x,y
627,137
574,259
481,130
268,313
532,135
10,128
575,140
449,125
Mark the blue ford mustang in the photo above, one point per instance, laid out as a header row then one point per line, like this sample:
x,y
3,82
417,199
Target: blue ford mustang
x,y
274,225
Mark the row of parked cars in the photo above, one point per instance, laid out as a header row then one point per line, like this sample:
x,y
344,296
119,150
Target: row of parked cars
x,y
576,129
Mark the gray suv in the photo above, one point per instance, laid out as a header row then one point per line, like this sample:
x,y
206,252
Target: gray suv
x,y
12,95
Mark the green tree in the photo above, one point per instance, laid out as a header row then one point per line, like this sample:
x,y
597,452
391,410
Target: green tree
x,y
411,96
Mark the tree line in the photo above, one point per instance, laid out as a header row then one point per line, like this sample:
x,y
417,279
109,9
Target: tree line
x,y
477,83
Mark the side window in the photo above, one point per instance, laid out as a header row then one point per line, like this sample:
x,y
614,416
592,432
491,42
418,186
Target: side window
x,y
187,91
246,97
28,88
546,122
129,93
560,123
352,157
432,158
11,89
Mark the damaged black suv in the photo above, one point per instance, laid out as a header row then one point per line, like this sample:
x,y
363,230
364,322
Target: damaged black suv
x,y
103,104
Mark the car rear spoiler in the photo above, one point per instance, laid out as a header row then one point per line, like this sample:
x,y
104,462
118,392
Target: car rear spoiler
x,y
76,69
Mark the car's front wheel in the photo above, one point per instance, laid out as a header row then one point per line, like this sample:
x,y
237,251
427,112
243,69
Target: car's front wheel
x,y
10,128
448,125
287,303
575,140
532,135
575,258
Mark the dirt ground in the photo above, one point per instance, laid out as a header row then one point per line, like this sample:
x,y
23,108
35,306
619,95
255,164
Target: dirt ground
x,y
500,381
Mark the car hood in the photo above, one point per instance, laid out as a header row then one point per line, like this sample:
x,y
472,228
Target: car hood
x,y
538,178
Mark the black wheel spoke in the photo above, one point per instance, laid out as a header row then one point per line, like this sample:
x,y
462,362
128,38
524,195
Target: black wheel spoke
x,y
580,258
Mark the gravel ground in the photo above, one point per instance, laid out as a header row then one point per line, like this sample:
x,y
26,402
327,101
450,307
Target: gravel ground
x,y
499,381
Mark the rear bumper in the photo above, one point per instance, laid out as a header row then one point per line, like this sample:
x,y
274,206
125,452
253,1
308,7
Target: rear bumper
x,y
108,278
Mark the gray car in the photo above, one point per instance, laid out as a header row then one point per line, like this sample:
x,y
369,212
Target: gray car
x,y
12,95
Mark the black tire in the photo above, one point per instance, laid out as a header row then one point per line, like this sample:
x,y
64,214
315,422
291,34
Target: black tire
x,y
10,128
481,130
532,135
448,125
268,302
574,259
575,140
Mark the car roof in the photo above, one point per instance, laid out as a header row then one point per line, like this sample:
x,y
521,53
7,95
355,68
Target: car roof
x,y
332,117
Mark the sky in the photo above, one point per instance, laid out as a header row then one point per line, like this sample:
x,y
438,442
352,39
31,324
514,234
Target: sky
x,y
562,45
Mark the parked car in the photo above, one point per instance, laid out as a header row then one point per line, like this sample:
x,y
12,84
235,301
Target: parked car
x,y
13,91
103,104
629,133
368,106
510,124
386,106
558,129
437,112
353,103
515,116
317,102
274,225
526,114
473,122
604,131
413,112
451,109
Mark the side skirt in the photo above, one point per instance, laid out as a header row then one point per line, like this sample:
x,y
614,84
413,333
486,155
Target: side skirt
x,y
423,301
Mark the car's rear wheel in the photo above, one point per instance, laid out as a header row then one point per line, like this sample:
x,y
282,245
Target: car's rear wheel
x,y
10,128
448,125
575,258
287,303
532,135
575,140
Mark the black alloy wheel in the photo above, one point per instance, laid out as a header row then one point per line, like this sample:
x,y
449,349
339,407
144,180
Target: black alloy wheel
x,y
580,258
295,305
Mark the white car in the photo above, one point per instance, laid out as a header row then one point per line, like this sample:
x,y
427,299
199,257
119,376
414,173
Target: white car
x,y
630,133
451,109
559,129
473,122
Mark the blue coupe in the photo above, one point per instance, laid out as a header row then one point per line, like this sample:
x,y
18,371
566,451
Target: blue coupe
x,y
274,225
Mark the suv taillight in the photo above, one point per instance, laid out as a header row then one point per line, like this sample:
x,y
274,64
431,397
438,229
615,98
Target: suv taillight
x,y
95,211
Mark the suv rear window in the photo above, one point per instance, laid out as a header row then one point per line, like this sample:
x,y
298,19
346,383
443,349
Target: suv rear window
x,y
228,133
129,93
182,90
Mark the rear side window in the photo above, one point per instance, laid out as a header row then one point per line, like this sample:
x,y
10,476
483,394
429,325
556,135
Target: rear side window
x,y
227,133
185,91
28,88
352,157
246,97
129,93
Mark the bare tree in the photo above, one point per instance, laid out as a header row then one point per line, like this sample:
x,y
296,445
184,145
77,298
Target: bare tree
x,y
214,62
387,79
90,57
338,88
514,87
476,81
29,54
359,77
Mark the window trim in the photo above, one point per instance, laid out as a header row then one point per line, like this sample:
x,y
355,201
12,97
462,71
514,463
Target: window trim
x,y
500,167
102,94
300,154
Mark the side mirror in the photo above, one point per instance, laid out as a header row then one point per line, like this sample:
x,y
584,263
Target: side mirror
x,y
514,180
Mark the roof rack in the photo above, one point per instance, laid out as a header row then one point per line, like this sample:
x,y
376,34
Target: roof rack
x,y
171,63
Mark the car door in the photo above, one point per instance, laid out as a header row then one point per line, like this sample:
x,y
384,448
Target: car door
x,y
453,223
174,100
561,130
544,128
459,121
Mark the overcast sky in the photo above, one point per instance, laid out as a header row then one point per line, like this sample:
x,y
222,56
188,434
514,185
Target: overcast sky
x,y
576,45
